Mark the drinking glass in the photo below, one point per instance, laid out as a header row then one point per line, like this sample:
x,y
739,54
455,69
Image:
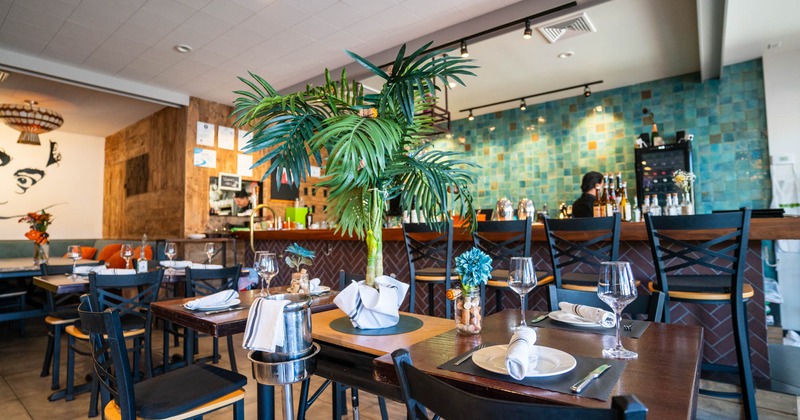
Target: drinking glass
x,y
126,252
170,250
210,249
267,266
521,279
74,253
617,288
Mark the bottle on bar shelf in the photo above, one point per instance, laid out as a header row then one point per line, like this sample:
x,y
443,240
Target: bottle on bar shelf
x,y
655,209
637,212
624,204
141,263
309,218
608,201
618,191
646,205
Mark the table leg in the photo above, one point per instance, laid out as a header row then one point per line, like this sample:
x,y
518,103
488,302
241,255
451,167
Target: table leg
x,y
266,402
225,254
288,403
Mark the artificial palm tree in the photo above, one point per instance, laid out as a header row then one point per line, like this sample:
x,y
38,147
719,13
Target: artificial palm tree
x,y
374,143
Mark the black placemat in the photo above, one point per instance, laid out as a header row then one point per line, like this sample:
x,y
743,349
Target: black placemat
x,y
406,324
637,327
599,389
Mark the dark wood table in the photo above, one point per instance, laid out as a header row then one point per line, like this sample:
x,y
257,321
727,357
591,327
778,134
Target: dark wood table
x,y
229,323
60,284
665,377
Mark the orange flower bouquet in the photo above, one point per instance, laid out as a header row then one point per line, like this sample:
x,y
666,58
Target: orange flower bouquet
x,y
39,223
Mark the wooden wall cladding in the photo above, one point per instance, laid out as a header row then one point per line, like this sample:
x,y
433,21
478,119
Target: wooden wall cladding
x,y
158,211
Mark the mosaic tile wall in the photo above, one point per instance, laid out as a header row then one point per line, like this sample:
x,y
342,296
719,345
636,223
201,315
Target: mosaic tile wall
x,y
542,153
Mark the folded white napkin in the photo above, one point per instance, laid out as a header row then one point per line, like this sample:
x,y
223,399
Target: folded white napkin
x,y
111,271
176,264
265,326
368,308
84,270
217,299
596,315
313,284
518,354
198,266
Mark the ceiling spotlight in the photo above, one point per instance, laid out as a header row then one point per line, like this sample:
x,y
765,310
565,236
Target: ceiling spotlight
x,y
183,48
566,54
470,117
3,76
464,52
528,32
586,91
522,105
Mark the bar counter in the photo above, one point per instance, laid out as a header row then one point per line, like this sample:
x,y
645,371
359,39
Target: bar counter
x,y
342,252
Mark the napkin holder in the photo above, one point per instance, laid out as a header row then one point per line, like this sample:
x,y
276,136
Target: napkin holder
x,y
370,308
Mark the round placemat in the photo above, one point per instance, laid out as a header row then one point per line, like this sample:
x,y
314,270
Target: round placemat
x,y
406,324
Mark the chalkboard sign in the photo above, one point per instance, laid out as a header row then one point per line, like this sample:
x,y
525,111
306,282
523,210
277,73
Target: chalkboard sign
x,y
230,182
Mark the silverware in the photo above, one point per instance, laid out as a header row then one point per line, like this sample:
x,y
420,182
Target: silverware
x,y
628,327
468,355
539,318
580,385
232,308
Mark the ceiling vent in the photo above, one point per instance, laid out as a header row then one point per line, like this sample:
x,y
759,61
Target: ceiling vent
x,y
566,27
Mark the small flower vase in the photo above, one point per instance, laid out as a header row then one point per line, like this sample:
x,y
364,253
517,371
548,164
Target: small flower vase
x,y
468,312
41,253
687,206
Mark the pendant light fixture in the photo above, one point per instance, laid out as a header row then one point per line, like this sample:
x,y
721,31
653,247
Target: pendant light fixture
x,y
464,51
30,120
528,31
586,91
522,105
470,117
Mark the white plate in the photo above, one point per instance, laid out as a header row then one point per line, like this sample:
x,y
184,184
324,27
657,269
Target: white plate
x,y
318,291
214,308
572,319
197,235
549,361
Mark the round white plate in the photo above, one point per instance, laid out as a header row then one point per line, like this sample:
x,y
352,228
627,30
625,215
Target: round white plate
x,y
217,307
549,361
197,235
572,319
319,290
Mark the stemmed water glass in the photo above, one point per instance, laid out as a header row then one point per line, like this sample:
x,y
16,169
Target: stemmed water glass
x,y
126,252
617,288
170,250
521,279
266,264
210,249
74,253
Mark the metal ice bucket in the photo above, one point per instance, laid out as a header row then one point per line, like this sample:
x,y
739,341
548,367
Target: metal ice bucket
x,y
296,326
526,209
504,210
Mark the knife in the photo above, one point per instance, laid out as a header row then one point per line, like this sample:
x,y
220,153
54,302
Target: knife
x,y
580,385
539,318
232,308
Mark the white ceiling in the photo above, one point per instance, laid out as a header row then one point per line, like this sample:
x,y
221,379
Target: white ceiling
x,y
127,46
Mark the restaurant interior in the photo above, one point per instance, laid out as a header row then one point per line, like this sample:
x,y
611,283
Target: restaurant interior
x,y
138,141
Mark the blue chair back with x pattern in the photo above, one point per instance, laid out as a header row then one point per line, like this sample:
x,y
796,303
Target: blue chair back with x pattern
x,y
106,292
501,250
602,243
204,282
436,248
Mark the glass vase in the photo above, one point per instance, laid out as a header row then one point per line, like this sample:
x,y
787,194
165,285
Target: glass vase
x,y
41,253
687,206
467,310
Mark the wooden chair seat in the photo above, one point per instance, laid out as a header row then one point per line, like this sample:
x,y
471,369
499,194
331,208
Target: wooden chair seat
x,y
76,332
585,282
436,274
747,293
54,320
112,410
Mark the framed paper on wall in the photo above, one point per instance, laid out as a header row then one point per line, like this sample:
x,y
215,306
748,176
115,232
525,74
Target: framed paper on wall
x,y
230,182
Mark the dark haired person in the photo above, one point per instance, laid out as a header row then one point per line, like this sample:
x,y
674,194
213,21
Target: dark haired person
x,y
243,205
592,183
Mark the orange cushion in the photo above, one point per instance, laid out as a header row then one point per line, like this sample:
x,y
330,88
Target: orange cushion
x,y
116,260
108,251
87,252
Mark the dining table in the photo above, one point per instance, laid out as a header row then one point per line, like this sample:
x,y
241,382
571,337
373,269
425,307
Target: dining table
x,y
665,377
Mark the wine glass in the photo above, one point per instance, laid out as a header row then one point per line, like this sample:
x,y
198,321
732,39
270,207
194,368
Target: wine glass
x,y
170,250
126,252
210,249
74,253
617,288
267,265
521,279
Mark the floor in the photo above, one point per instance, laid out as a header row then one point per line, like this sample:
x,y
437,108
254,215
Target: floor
x,y
23,393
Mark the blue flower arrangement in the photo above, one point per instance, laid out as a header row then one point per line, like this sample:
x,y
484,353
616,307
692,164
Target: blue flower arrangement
x,y
299,256
474,267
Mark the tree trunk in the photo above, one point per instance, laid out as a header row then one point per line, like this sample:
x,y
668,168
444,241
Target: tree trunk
x,y
375,239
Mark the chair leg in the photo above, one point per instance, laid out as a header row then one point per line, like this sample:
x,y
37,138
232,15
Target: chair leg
x,y
302,405
56,356
231,354
412,295
430,300
337,403
148,353
498,300
215,354
382,406
238,410
743,359
48,355
354,399
70,393
95,392
165,345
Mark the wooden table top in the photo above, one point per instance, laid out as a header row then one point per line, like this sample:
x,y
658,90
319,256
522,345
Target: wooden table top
x,y
665,377
61,284
375,345
225,323
24,267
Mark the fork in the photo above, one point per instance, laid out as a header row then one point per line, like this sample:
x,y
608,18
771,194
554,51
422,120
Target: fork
x,y
468,355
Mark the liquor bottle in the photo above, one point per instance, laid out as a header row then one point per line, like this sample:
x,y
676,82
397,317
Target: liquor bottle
x,y
309,218
655,209
618,191
609,199
637,212
141,263
624,204
657,140
604,198
597,209
646,205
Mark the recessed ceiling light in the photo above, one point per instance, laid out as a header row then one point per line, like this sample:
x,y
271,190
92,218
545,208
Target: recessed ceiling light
x,y
566,54
773,45
3,76
183,48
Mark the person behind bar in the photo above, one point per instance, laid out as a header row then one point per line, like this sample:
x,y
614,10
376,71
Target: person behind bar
x,y
243,205
592,183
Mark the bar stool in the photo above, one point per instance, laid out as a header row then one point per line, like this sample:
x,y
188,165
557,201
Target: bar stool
x,y
716,276
582,241
502,240
431,247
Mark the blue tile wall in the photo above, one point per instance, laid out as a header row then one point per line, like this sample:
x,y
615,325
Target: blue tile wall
x,y
542,153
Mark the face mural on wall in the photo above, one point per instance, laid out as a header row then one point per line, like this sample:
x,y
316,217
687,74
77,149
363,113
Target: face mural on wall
x,y
22,168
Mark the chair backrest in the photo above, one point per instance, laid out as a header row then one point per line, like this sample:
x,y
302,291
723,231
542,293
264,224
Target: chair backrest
x,y
109,354
432,243
586,240
105,292
203,282
52,270
421,391
651,306
723,254
502,240
346,278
